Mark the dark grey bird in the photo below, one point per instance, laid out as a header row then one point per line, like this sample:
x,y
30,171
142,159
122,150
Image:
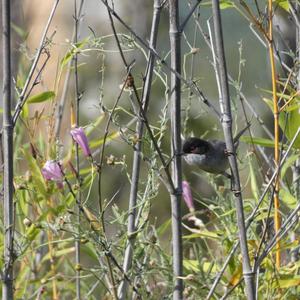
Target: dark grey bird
x,y
210,156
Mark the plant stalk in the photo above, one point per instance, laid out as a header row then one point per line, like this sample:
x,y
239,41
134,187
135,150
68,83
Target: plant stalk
x,y
175,111
8,188
277,220
226,120
131,226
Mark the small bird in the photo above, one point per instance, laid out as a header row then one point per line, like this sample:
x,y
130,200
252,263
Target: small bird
x,y
210,156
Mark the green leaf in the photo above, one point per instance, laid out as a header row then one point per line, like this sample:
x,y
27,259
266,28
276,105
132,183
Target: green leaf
x,y
59,253
253,181
164,227
69,200
288,163
203,234
38,180
285,283
291,107
73,51
292,125
288,199
224,4
22,201
25,111
283,3
91,128
41,97
90,251
32,232
258,141
19,30
193,266
98,143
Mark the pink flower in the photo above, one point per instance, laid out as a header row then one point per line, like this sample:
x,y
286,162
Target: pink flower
x,y
80,138
52,171
187,196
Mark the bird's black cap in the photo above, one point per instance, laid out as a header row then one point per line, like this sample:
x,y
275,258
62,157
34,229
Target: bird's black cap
x,y
195,145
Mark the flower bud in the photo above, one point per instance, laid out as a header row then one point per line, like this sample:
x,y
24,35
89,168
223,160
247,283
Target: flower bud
x,y
80,138
187,196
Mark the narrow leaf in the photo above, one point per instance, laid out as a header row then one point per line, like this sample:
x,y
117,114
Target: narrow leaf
x,y
41,97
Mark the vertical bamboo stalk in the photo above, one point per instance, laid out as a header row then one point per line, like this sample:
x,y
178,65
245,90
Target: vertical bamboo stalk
x,y
131,226
276,130
175,110
8,211
227,128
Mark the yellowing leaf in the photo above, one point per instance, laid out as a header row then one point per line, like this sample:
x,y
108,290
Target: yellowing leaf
x,y
289,282
58,253
237,275
94,222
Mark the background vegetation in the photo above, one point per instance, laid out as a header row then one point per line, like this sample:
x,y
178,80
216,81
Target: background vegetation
x,y
99,89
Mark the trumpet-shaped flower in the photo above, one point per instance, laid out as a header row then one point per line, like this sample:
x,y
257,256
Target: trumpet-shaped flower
x,y
187,196
80,138
52,171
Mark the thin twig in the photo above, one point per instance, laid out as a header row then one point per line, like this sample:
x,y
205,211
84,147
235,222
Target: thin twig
x,y
63,98
22,99
253,110
99,169
79,194
185,21
169,182
191,84
106,248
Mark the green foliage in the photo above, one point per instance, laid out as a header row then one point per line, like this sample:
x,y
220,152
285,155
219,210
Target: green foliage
x,y
89,205
45,96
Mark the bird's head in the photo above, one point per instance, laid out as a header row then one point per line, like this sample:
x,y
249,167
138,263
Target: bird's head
x,y
195,146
